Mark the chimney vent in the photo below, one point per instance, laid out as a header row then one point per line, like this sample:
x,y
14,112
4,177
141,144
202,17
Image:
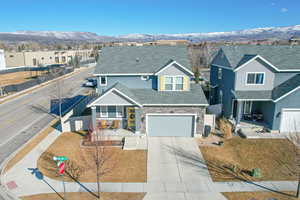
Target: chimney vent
x,y
137,60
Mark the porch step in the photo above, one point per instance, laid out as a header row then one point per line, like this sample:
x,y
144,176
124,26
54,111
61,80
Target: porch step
x,y
135,143
254,135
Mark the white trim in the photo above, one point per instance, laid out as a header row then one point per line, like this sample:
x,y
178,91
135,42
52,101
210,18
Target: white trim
x,y
254,99
170,64
174,82
109,91
124,74
175,104
290,109
222,67
111,118
269,63
247,73
194,115
101,84
287,94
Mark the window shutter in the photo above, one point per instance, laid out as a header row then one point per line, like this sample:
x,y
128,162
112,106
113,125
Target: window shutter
x,y
186,83
162,83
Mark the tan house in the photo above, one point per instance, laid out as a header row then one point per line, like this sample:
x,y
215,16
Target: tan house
x,y
36,58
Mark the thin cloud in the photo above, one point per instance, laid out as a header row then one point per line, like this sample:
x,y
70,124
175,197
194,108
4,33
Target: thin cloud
x,y
284,10
273,4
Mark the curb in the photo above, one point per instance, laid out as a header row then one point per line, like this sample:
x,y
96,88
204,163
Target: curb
x,y
26,91
4,192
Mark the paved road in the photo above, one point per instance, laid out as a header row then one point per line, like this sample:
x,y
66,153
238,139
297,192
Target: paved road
x,y
23,117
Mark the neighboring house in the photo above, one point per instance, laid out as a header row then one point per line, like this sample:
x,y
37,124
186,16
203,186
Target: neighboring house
x,y
258,84
149,91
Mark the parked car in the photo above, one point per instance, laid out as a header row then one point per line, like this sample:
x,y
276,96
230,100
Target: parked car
x,y
90,83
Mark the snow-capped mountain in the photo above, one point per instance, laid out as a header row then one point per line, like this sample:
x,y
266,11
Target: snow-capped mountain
x,y
247,34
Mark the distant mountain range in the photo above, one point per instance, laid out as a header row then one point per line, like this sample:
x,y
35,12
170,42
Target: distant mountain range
x,y
271,33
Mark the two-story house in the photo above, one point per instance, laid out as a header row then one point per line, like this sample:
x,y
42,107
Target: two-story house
x,y
259,84
148,90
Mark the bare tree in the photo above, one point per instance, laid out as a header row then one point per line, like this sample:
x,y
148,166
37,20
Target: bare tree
x,y
294,137
100,155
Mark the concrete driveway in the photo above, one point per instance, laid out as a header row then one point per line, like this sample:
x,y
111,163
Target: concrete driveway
x,y
175,160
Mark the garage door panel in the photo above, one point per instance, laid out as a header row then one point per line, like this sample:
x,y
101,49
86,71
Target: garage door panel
x,y
290,121
169,125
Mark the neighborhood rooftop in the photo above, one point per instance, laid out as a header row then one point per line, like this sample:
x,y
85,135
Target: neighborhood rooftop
x,y
282,57
140,59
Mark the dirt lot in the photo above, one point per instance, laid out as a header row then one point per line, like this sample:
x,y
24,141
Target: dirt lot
x,y
259,195
276,159
87,196
18,77
124,166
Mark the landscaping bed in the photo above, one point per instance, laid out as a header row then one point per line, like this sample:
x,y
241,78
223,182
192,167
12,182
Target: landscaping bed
x,y
259,195
87,196
128,165
234,161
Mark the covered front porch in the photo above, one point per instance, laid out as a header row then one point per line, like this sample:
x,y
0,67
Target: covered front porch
x,y
252,115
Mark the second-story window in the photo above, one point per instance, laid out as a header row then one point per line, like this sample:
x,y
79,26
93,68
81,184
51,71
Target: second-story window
x,y
103,80
255,78
173,83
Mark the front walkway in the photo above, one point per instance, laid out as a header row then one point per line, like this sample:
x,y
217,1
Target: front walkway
x,y
190,181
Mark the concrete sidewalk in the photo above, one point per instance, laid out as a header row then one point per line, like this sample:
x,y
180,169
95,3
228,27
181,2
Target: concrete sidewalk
x,y
23,183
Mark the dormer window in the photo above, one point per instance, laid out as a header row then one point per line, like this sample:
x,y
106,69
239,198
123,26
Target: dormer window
x,y
174,83
255,78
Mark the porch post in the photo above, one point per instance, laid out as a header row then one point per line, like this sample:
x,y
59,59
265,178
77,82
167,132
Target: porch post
x,y
238,114
138,114
94,125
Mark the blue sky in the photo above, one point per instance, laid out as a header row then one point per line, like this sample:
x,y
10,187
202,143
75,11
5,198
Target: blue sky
x,y
117,17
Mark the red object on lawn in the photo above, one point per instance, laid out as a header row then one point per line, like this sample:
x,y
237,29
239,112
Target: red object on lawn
x,y
62,168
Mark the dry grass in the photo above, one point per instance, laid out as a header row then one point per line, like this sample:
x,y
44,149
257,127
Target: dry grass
x,y
225,127
18,77
275,157
87,196
130,166
259,195
27,148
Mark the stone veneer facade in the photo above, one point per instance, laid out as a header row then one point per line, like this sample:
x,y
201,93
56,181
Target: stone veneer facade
x,y
200,111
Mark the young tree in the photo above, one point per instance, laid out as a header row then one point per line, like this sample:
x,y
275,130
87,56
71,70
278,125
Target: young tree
x,y
100,155
294,137
197,74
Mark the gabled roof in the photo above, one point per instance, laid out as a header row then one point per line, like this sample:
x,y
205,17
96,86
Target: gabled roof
x,y
282,57
148,97
282,90
140,59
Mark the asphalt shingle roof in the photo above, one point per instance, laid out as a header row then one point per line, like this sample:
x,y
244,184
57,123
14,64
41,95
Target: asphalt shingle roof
x,y
283,57
150,96
140,59
274,94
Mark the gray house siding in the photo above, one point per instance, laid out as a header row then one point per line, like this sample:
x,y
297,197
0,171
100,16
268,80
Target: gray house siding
x,y
113,99
254,66
129,81
214,81
173,70
282,77
290,101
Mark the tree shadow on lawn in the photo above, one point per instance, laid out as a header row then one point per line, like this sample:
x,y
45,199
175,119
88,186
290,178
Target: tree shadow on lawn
x,y
194,160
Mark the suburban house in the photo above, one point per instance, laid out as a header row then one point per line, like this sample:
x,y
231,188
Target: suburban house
x,y
258,85
148,90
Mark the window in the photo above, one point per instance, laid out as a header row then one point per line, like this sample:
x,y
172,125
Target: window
x,y
247,107
168,83
255,78
119,110
174,83
103,111
57,59
219,73
103,80
179,83
144,78
63,59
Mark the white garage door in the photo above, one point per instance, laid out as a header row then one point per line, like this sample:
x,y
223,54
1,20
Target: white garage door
x,y
290,121
170,125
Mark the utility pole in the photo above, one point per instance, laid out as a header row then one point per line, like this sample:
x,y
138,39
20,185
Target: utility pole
x,y
59,103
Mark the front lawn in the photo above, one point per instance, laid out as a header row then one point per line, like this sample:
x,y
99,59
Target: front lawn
x,y
87,196
275,158
129,165
259,195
